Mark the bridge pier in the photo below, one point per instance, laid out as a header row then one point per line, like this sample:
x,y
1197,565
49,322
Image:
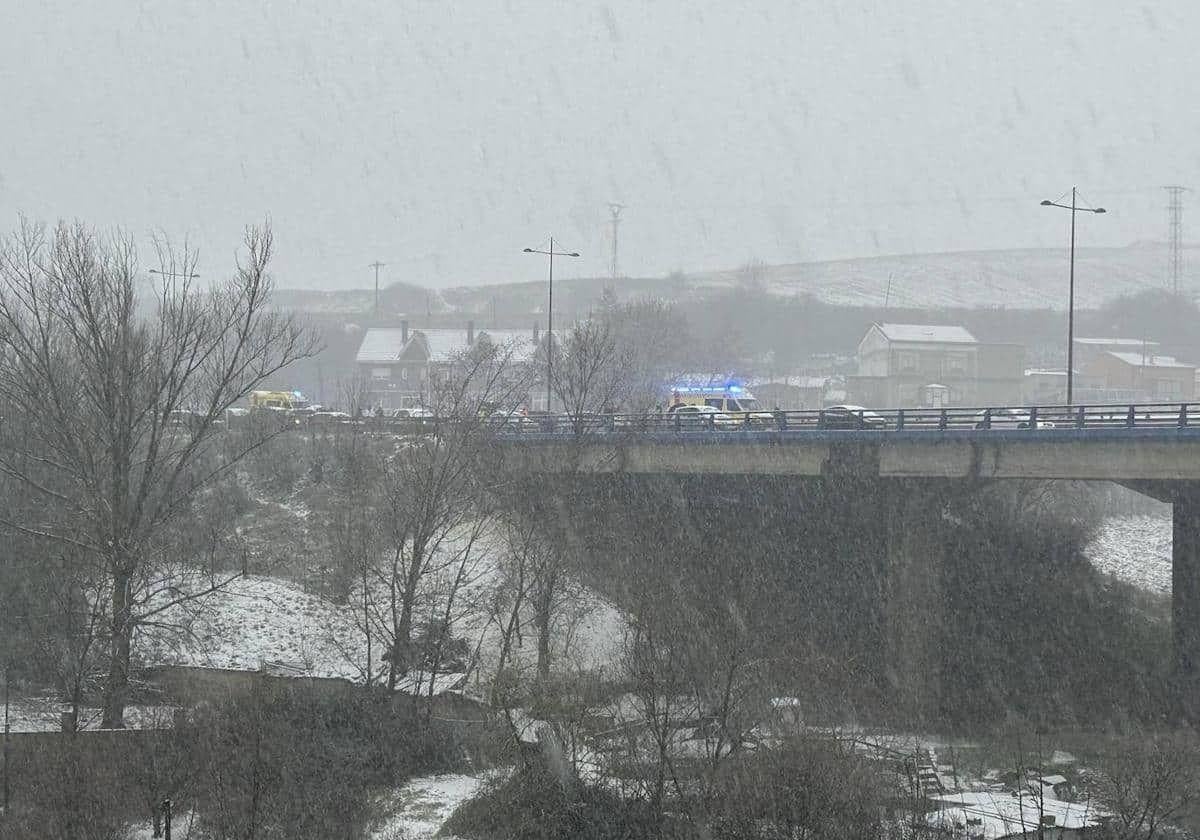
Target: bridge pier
x,y
1185,597
915,553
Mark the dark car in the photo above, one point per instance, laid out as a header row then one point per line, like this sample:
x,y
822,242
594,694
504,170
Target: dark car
x,y
850,417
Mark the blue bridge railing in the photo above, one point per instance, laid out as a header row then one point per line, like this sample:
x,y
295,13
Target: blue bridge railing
x,y
1033,419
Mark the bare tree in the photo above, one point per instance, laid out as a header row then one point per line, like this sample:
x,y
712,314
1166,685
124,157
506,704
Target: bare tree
x,y
99,371
590,371
355,526
537,588
1150,783
432,494
653,337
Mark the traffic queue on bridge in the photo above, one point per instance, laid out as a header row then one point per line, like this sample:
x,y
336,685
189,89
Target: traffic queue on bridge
x,y
723,408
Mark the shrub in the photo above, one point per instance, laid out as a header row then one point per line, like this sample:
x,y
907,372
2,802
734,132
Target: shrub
x,y
532,804
288,763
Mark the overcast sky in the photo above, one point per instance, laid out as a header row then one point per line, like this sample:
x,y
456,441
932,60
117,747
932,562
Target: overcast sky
x,y
443,137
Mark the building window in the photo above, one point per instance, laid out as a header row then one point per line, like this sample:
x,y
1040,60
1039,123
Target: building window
x,y
1168,389
404,374
956,363
906,361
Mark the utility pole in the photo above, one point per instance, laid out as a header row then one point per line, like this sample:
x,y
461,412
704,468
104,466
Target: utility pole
x,y
1175,233
551,253
614,211
1074,207
377,265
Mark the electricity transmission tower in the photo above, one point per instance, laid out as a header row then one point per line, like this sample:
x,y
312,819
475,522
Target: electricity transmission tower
x,y
376,265
615,217
1175,233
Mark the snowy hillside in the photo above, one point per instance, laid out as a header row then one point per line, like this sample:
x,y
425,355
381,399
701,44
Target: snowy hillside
x,y
1136,549
262,618
1017,279
258,618
1032,278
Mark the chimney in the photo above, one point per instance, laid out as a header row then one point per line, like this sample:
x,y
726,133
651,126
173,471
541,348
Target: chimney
x,y
404,332
470,333
535,332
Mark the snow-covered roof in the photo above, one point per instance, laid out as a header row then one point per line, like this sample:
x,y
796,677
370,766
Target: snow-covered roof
x,y
1116,342
380,344
926,334
1001,814
1054,780
1149,360
519,341
791,381
418,683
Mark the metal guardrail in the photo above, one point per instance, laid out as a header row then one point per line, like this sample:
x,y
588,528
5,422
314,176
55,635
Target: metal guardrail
x,y
1032,419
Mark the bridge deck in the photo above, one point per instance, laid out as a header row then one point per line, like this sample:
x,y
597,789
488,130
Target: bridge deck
x,y
1159,453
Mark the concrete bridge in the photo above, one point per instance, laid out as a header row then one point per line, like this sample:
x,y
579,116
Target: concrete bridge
x,y
1147,456
1152,449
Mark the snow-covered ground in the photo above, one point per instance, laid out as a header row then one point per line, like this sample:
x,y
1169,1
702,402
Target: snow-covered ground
x,y
1135,549
420,807
259,618
44,714
415,811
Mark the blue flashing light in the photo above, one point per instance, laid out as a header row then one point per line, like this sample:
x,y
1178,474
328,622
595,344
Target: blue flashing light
x,y
297,394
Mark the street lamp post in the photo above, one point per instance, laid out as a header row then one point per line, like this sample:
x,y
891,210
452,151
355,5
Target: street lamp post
x,y
551,254
1073,207
184,274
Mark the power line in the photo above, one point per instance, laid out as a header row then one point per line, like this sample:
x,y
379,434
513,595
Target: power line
x,y
1175,233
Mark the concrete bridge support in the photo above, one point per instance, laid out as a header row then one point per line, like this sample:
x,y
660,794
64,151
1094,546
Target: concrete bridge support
x,y
915,550
1185,596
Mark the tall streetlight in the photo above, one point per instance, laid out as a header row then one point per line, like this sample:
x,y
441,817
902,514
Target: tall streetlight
x,y
1073,207
184,274
551,254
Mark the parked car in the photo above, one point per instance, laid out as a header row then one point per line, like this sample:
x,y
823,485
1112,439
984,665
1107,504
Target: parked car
x,y
412,414
327,418
510,421
700,417
1008,418
850,417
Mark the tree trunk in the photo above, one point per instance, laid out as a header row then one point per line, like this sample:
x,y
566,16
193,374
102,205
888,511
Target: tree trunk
x,y
116,687
366,624
541,620
402,643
